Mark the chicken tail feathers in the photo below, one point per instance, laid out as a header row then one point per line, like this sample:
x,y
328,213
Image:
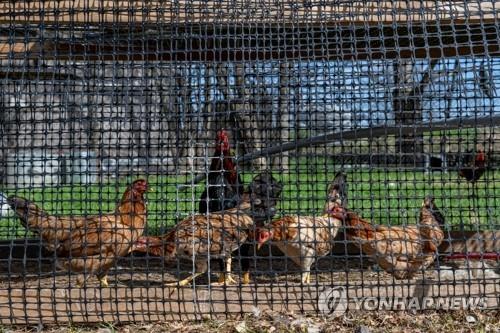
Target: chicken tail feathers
x,y
358,228
429,206
337,193
29,213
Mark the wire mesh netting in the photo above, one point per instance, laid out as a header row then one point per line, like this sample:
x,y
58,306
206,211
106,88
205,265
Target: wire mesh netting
x,y
175,160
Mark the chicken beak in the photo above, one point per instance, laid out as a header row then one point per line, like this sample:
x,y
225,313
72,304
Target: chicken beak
x,y
151,189
259,245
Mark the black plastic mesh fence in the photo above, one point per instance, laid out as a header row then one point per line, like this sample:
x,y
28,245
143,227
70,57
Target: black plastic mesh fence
x,y
243,112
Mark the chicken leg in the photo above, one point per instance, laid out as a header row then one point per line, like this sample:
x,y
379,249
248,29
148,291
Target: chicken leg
x,y
305,261
225,277
245,279
247,250
306,277
80,281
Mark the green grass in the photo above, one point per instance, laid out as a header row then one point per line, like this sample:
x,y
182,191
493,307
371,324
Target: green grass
x,y
384,196
389,197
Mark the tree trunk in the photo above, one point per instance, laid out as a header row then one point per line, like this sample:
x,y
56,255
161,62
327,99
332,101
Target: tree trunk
x,y
3,135
185,127
282,133
407,105
165,77
225,109
249,128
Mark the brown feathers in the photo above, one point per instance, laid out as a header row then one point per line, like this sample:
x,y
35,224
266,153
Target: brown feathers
x,y
89,243
401,251
216,235
305,238
481,242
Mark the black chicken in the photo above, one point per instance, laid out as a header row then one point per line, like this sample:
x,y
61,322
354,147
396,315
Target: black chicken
x,y
224,192
224,187
263,186
473,166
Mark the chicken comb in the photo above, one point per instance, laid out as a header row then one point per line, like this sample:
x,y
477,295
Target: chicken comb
x,y
222,140
222,134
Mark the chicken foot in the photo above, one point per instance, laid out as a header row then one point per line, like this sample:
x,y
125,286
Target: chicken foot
x,y
225,277
245,279
185,281
87,265
80,281
103,281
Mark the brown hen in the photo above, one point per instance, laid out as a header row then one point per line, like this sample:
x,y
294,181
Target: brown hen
x,y
400,251
303,239
89,244
215,235
480,244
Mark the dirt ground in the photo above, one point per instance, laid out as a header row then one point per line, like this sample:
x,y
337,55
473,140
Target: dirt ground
x,y
270,322
139,271
136,271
